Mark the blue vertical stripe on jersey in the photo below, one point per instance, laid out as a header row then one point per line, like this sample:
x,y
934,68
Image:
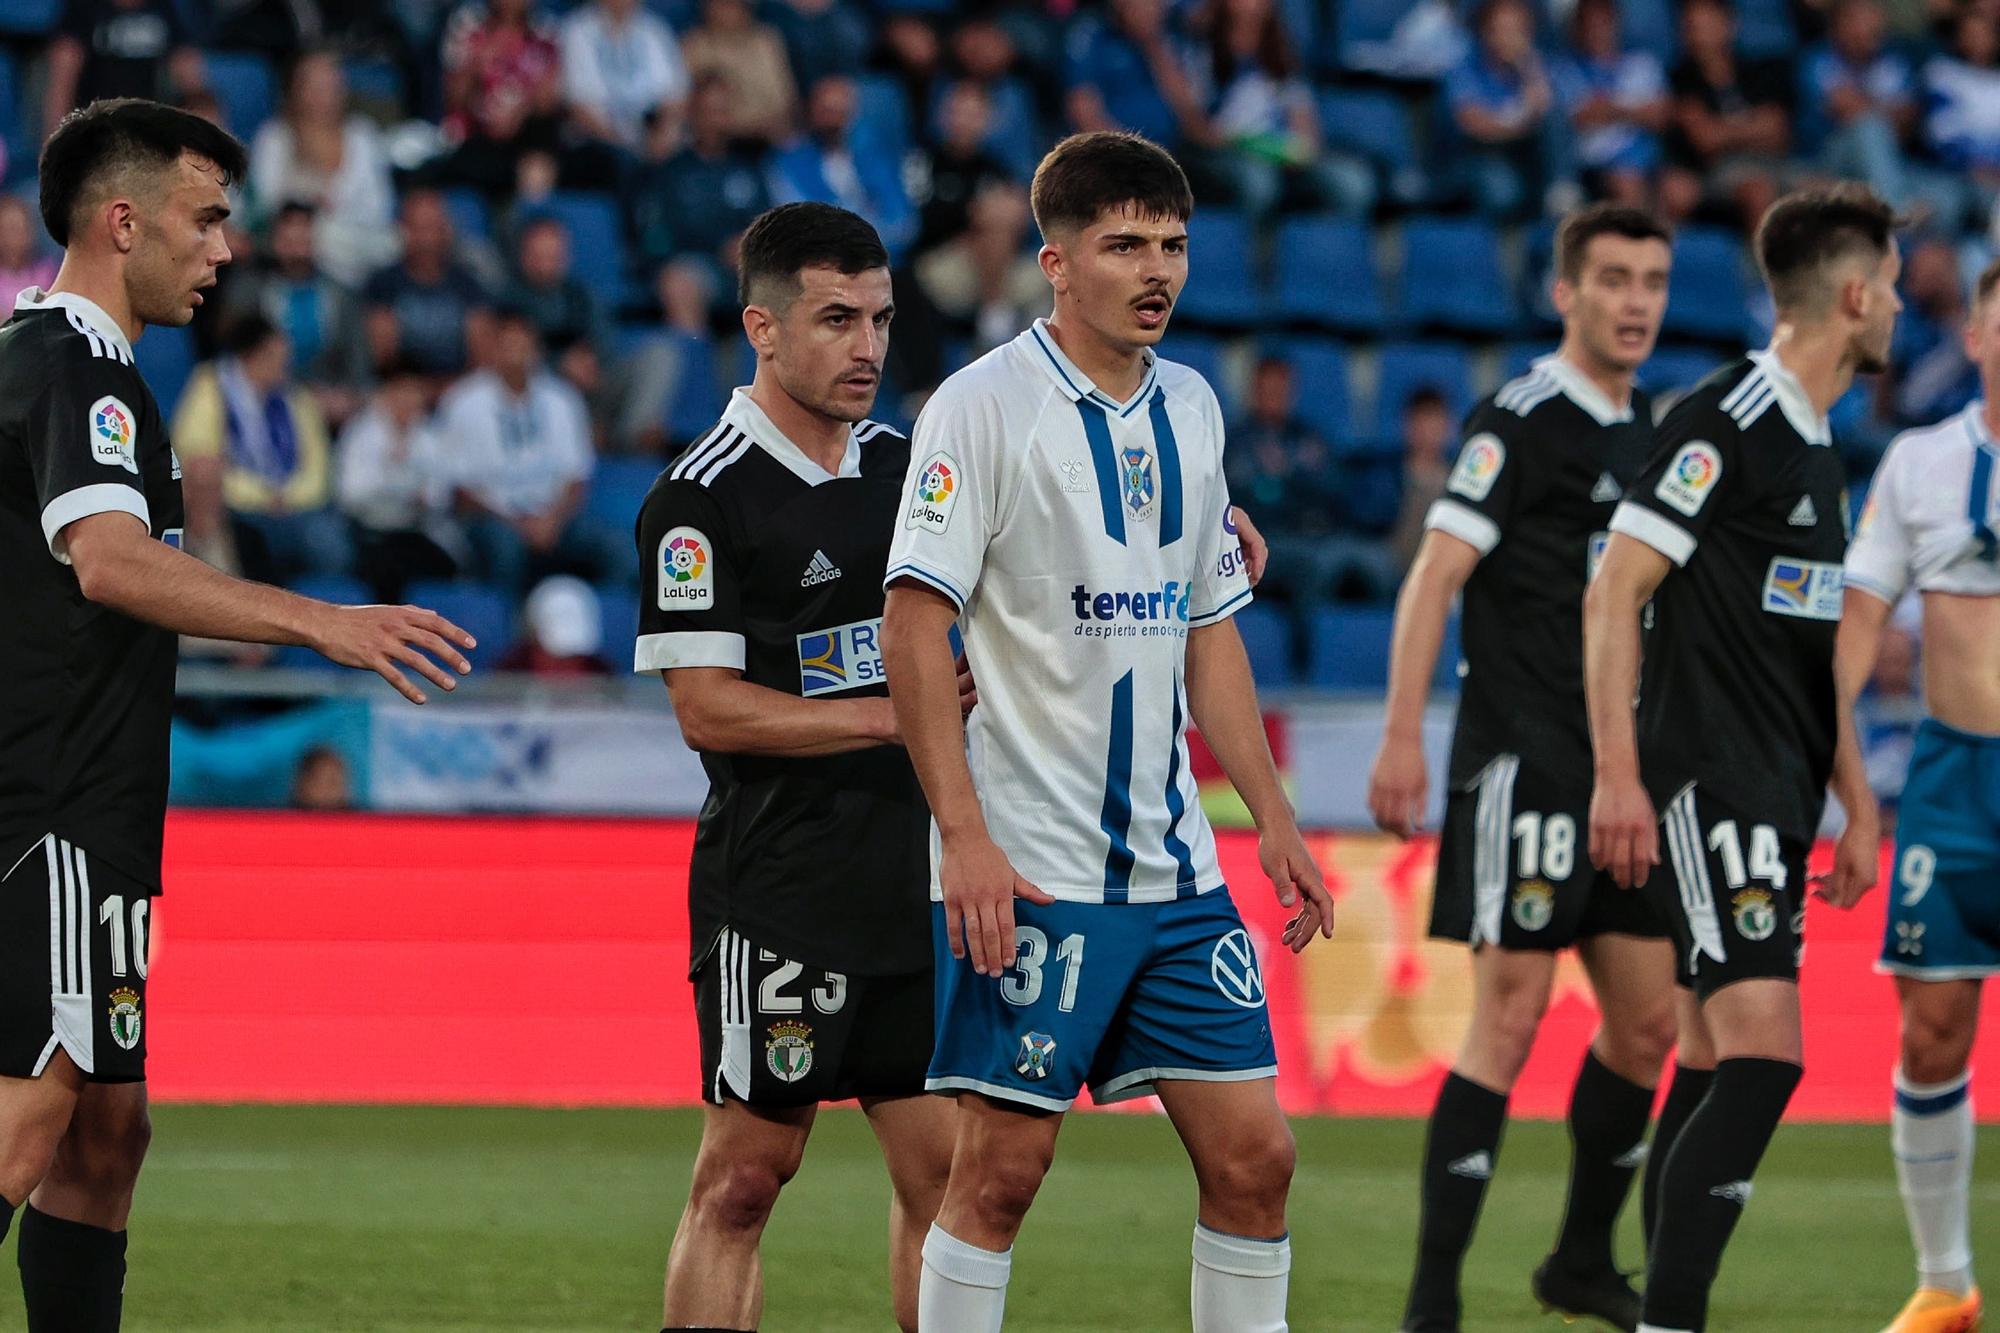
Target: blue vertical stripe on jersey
x,y
1982,502
1169,450
1116,821
1176,807
1104,456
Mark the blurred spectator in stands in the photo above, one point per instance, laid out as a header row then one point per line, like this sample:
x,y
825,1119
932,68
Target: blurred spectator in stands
x,y
575,333
427,306
1128,72
1731,122
258,466
1933,377
909,48
987,281
1266,148
562,631
520,436
1503,108
750,57
821,37
503,98
1861,100
1962,115
834,162
1616,101
322,317
394,483
984,56
118,48
316,153
1428,450
624,78
22,265
693,210
960,165
321,782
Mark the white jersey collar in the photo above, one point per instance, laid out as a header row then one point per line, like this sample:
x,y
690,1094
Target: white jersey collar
x,y
1975,425
1792,400
1576,387
744,414
79,308
1039,346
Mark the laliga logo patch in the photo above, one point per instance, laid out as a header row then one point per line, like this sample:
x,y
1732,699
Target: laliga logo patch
x,y
1233,967
1690,477
1138,476
1479,465
686,574
114,434
126,1019
936,493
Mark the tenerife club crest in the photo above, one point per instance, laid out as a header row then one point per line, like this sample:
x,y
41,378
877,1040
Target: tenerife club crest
x,y
1137,470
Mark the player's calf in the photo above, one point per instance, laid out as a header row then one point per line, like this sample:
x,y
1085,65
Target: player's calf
x,y
72,1248
1244,1187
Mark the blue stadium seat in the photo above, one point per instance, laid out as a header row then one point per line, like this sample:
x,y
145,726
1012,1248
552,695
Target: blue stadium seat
x,y
1222,287
1709,298
1302,22
882,106
617,488
1326,274
619,603
1267,637
1764,29
166,356
1325,402
1516,357
1201,352
470,217
1675,369
29,18
1366,20
245,87
698,399
337,588
1371,122
1452,277
19,153
480,610
1350,647
1650,25
596,239
374,79
1407,367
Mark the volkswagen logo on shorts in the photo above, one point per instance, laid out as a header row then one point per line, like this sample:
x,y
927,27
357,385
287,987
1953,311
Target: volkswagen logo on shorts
x,y
1234,968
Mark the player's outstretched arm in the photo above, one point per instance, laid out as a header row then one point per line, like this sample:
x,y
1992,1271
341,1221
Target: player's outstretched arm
x,y
119,565
1256,551
1624,834
978,881
1222,698
1857,856
719,711
1397,785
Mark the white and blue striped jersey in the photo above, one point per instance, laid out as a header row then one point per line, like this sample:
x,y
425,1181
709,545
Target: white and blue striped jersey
x,y
1932,514
1081,539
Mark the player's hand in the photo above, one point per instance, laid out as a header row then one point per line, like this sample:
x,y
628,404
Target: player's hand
x,y
1293,873
968,688
1256,551
980,886
1624,833
383,639
1857,859
1397,787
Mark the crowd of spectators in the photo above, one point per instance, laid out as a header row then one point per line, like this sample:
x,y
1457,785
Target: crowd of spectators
x,y
486,249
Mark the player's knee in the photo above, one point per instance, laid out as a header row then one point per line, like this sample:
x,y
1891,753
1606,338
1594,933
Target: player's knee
x,y
1257,1172
739,1196
1512,1020
1007,1188
1934,1050
1641,1040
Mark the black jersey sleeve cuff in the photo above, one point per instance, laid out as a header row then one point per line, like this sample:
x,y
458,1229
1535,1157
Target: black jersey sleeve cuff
x,y
108,497
1464,522
688,648
1664,535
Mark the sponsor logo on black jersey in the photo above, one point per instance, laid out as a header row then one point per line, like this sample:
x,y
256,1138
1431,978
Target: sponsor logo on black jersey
x,y
840,658
1807,589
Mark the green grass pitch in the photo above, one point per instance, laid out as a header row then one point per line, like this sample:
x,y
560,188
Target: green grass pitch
x,y
389,1219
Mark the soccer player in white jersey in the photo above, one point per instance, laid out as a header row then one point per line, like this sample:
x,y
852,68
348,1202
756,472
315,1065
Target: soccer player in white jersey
x,y
1929,524
1066,507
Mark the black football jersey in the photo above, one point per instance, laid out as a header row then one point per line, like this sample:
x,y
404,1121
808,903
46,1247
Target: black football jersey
x,y
1543,466
756,559
85,715
1745,493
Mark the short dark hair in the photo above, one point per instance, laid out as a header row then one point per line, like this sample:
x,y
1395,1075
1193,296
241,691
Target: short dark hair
x,y
1805,232
1426,398
1989,278
119,134
1586,224
1088,175
791,237
247,332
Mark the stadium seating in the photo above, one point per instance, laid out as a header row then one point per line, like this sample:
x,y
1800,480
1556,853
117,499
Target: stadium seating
x,y
1350,647
618,487
699,398
1709,297
882,106
470,217
1325,274
619,605
596,241
1222,289
1376,124
1324,398
1407,367
481,611
1267,638
28,18
246,88
166,356
14,139
1676,368
1203,353
1764,29
1453,279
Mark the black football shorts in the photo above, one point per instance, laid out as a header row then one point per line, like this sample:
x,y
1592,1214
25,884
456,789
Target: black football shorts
x,y
1734,892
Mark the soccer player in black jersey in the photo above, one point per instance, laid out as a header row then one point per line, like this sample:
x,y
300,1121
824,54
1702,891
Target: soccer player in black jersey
x,y
1523,517
1735,532
97,590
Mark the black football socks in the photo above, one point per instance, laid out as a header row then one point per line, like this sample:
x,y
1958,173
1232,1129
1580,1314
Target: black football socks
x,y
1607,1131
1690,1085
1459,1153
72,1275
1707,1184
6,1216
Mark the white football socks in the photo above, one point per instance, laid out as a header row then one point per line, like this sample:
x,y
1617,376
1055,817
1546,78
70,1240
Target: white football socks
x,y
1932,1134
1239,1284
963,1288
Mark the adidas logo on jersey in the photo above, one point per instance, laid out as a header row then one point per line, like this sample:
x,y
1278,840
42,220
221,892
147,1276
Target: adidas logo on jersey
x,y
1606,490
1473,1166
820,570
1803,513
1736,1191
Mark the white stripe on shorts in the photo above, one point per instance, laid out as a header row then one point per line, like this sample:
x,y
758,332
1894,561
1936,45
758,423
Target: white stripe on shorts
x,y
1492,830
1685,849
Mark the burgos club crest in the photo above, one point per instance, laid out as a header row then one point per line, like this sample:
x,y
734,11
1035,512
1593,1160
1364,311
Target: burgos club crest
x,y
1037,1057
1138,475
126,1019
1756,918
788,1054
1534,904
